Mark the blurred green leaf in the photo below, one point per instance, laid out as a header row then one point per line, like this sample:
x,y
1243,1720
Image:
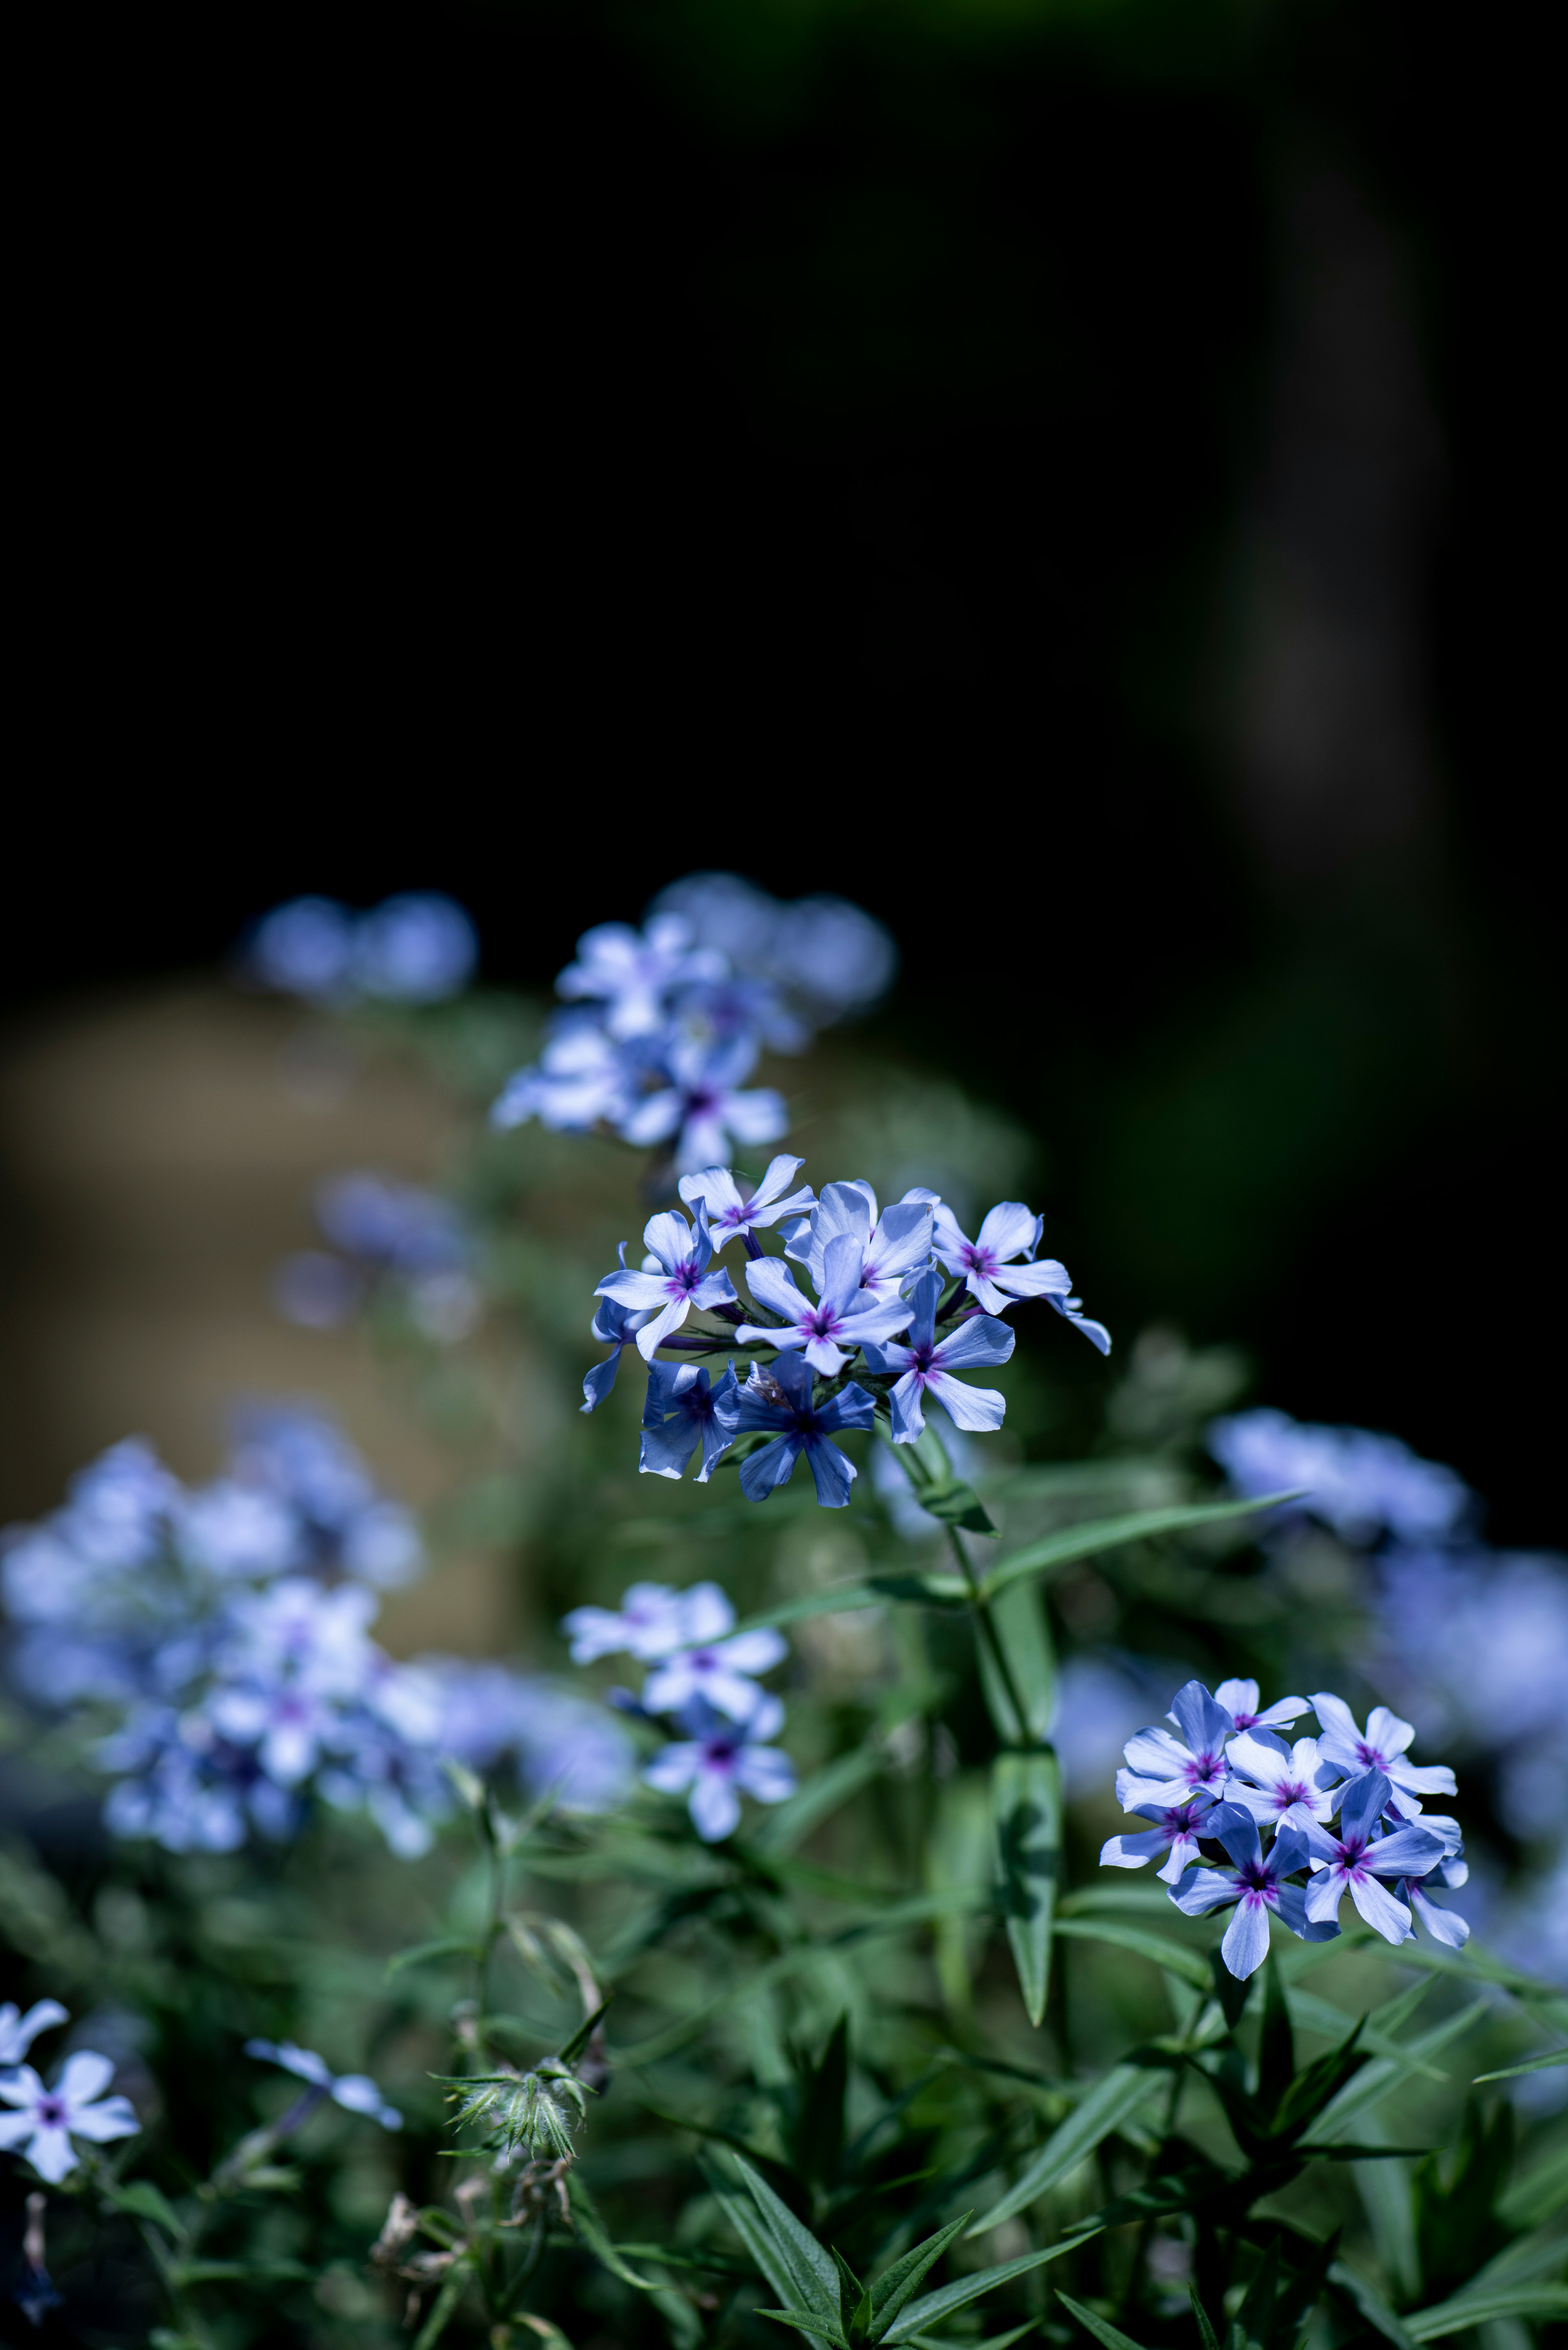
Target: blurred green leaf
x,y
596,2236
1026,1811
1110,1534
933,2307
1177,1959
1019,1627
789,1823
144,2201
1111,2336
1382,2073
419,1953
1112,2101
1481,2308
1553,2056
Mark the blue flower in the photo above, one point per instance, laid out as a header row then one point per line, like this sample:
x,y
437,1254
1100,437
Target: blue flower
x,y
719,1673
1361,1484
652,1621
1381,1749
928,1366
732,1211
1255,1884
1166,1770
355,2092
702,1109
831,1329
418,947
305,948
633,973
893,1243
1240,1700
18,2032
682,1254
682,1410
779,1400
46,2120
1176,1835
994,1278
581,1079
1280,1785
614,1327
722,1760
1356,1858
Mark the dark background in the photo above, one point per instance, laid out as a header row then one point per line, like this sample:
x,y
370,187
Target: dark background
x,y
1067,481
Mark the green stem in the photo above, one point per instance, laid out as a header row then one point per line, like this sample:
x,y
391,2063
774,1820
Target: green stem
x,y
986,1630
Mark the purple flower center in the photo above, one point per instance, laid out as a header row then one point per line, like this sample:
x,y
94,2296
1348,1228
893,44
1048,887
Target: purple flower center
x,y
978,1260
1289,1792
1371,1757
683,1280
1203,1767
822,1322
51,2113
702,1102
719,1753
1254,1878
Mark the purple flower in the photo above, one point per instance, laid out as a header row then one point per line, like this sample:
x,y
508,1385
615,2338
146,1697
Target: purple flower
x,y
355,2092
1240,1700
681,1281
1285,1790
1381,1749
652,1621
717,1672
580,1078
731,1211
631,973
722,1761
48,2119
420,948
779,1399
1175,1834
994,1281
892,1244
1359,1483
17,2032
702,1110
1164,1771
683,1410
928,1366
842,1319
614,1327
1255,1884
1354,1860
1443,1925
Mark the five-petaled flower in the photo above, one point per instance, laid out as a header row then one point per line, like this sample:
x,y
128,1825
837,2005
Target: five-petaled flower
x,y
652,1621
705,1106
683,1253
732,1211
1176,1832
1163,1770
778,1400
631,972
718,1672
1255,1883
1355,1860
1277,1784
46,2120
893,1243
17,2033
994,1281
1381,1749
722,1760
840,1320
615,1326
1240,1700
682,1410
927,1364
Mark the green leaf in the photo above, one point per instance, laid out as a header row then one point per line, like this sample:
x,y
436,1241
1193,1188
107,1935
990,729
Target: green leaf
x,y
1206,2333
453,2286
1532,2064
1316,2083
1018,1623
1480,2308
596,2236
1111,2101
893,2288
934,2306
258,2272
449,1946
1111,2336
921,1590
957,1504
1317,2015
1370,2304
818,2134
852,2293
789,1822
1255,2317
1109,1533
1026,1811
805,2323
584,2034
1276,2048
145,2202
992,2341
1526,2202
1378,2079
1177,1959
813,2280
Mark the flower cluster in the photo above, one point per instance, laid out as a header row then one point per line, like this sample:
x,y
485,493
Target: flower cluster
x,y
1342,1813
902,1287
228,1629
390,1238
42,2122
668,1021
702,1682
416,948
1363,1485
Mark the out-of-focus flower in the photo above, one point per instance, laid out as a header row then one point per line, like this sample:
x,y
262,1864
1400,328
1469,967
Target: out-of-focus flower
x,y
778,1401
355,2092
1175,1834
632,973
18,2032
1361,1484
731,1211
834,958
295,1454
719,1673
561,1744
829,1328
581,1079
1275,1783
684,1409
383,1221
722,1760
704,1110
928,1365
318,1291
46,2120
682,1254
1357,1859
418,947
1255,1883
1381,1749
652,1621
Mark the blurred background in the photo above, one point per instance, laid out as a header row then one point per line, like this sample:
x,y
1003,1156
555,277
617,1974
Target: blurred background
x,y
1060,475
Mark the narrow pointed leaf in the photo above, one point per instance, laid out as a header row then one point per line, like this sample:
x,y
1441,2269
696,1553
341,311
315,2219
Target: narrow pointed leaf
x,y
765,2252
793,1820
1378,2079
1255,2316
851,2291
1109,1533
1026,1811
1206,2333
1532,2064
804,2322
1112,2101
1018,1622
1160,1950
1312,2087
991,2342
813,2278
1371,2304
894,2287
583,2032
933,2307
1276,2048
1111,2336
1481,2308
819,2134
592,2233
